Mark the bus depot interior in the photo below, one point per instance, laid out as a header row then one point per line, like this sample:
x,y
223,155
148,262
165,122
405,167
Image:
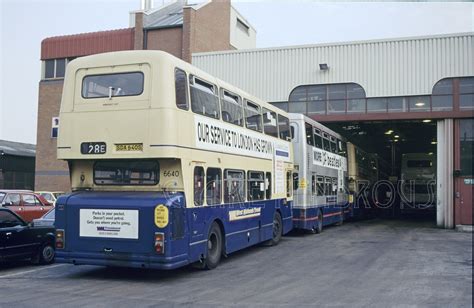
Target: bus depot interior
x,y
395,172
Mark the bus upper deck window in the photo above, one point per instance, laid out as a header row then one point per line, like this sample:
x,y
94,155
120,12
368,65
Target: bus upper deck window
x,y
231,108
270,123
112,85
284,127
317,138
181,89
204,99
253,116
309,134
326,146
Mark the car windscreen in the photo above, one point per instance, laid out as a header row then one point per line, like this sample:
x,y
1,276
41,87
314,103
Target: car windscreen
x,y
49,215
8,220
47,196
2,195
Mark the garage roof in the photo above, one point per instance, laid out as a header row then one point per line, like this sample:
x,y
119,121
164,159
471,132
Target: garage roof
x,y
17,148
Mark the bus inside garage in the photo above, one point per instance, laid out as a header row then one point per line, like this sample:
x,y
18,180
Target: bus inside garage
x,y
392,168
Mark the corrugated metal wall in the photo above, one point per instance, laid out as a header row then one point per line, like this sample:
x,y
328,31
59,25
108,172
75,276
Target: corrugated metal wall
x,y
384,68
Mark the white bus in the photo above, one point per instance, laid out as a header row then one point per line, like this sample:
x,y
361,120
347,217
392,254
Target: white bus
x,y
169,166
320,176
418,185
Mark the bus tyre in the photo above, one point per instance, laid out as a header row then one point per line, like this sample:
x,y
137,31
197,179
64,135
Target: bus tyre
x,y
277,230
341,221
45,254
319,223
214,247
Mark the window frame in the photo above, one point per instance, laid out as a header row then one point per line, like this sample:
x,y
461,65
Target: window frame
x,y
186,89
222,95
157,172
244,195
219,183
251,180
111,74
203,188
247,102
193,80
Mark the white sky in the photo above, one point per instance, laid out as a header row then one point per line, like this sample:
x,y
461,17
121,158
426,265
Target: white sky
x,y
24,24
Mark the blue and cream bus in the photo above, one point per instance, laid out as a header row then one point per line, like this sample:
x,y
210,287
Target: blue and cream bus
x,y
169,166
320,175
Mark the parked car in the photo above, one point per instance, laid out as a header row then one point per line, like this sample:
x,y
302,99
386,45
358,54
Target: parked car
x,y
46,221
24,203
50,196
20,240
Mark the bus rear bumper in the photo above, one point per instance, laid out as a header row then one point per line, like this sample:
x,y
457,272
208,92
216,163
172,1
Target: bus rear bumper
x,y
127,260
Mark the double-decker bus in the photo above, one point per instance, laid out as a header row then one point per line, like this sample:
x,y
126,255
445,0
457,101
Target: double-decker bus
x,y
363,174
169,166
320,175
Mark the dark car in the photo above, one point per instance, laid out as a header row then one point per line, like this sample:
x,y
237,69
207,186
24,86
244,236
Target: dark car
x,y
25,203
46,221
20,240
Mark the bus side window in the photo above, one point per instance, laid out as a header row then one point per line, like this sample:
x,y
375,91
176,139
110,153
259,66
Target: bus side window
x,y
213,186
313,185
181,89
234,186
309,134
328,186
333,144
296,179
326,146
317,138
334,186
231,107
198,186
268,185
320,186
256,186
204,99
289,189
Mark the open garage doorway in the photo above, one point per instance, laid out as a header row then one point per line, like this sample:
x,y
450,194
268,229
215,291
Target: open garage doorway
x,y
392,168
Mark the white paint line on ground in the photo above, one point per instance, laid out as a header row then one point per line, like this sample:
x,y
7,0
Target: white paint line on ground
x,y
31,271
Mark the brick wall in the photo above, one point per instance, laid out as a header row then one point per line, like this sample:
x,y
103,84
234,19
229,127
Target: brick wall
x,y
206,29
169,40
51,173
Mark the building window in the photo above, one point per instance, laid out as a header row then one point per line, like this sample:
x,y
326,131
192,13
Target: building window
x,y
55,68
466,135
466,93
242,26
442,98
54,127
397,104
376,105
419,103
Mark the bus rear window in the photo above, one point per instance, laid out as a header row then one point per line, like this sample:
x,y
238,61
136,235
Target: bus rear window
x,y
112,85
126,172
419,163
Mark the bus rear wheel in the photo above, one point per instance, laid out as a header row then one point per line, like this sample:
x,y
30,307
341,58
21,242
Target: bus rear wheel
x,y
319,223
214,247
277,230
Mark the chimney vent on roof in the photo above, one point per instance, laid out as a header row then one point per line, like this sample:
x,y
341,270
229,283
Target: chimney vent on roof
x,y
146,5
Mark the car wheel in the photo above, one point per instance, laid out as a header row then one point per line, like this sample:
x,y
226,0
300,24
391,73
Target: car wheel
x,y
46,253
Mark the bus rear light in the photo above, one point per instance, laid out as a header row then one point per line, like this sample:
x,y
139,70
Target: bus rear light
x,y
59,239
159,242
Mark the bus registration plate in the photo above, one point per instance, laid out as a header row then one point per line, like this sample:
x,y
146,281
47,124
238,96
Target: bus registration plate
x,y
129,147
